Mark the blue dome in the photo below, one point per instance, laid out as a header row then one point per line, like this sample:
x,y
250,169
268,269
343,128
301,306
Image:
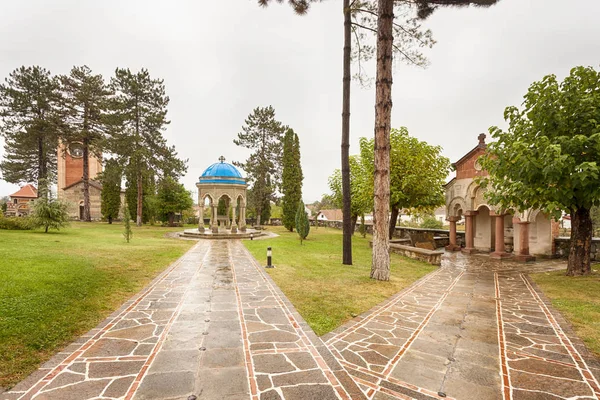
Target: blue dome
x,y
222,172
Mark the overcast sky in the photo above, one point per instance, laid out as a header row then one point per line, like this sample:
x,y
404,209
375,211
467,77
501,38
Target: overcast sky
x,y
221,59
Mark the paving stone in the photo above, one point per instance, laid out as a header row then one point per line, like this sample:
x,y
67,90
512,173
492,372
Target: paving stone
x,y
110,348
213,383
118,388
66,378
296,378
272,363
309,392
166,385
273,336
117,368
270,395
77,391
222,358
302,360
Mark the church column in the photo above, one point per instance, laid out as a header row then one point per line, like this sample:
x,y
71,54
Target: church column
x,y
215,224
201,217
469,232
453,246
523,253
499,246
233,222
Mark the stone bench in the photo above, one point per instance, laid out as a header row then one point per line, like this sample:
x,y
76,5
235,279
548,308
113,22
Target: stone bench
x,y
433,257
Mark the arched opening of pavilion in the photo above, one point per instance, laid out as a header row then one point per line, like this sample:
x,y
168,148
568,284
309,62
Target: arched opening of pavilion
x,y
223,190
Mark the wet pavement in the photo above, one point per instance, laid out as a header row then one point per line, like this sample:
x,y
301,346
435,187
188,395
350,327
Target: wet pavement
x,y
215,326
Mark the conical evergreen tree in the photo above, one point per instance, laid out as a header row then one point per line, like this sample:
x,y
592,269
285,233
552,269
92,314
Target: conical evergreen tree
x,y
302,222
291,179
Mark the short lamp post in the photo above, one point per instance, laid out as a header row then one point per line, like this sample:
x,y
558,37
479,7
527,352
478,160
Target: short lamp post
x,y
251,235
269,254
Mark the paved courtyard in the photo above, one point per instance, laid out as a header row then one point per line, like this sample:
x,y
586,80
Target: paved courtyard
x,y
215,326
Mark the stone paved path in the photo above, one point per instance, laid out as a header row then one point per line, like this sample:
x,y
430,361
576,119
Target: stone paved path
x,y
474,329
215,326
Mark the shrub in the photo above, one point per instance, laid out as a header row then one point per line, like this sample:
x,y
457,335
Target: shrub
x,y
429,221
49,213
302,223
16,223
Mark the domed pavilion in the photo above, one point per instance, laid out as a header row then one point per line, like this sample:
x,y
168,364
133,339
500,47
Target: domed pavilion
x,y
222,182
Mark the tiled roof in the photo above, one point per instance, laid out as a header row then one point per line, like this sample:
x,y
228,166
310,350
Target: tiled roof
x,y
28,191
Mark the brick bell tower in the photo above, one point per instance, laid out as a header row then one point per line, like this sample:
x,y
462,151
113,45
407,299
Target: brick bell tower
x,y
70,183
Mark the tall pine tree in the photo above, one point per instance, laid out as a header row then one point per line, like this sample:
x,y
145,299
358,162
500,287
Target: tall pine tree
x,y
111,190
138,120
263,134
29,112
291,185
86,101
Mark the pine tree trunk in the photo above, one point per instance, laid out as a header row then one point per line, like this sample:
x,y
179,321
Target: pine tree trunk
x,y
581,243
380,269
86,182
393,220
346,201
41,169
140,197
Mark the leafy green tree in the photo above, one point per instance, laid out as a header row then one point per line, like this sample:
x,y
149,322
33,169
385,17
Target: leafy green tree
x,y
30,124
172,197
138,118
302,222
418,173
360,181
549,156
128,232
291,178
262,134
48,212
86,101
111,190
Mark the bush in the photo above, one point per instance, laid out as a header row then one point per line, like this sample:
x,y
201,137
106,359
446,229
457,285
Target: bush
x,y
16,223
431,222
49,213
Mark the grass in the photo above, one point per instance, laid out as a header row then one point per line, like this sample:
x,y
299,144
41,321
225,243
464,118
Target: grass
x,y
56,286
578,299
325,292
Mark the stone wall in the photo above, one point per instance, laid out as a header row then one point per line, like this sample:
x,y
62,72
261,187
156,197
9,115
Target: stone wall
x,y
562,245
441,236
74,196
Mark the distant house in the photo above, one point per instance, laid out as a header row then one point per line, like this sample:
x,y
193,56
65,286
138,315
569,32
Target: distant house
x,y
330,215
20,201
440,214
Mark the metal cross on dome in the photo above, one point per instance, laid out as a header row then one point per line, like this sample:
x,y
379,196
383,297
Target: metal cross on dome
x,y
222,159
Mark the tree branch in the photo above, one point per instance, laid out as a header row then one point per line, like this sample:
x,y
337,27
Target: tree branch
x,y
364,27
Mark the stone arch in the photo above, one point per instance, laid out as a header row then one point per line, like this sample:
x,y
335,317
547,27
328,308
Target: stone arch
x,y
470,195
456,207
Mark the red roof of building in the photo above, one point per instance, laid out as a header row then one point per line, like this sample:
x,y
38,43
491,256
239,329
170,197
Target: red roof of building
x,y
28,191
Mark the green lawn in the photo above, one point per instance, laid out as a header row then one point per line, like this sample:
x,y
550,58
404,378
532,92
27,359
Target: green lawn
x,y
578,299
56,286
325,292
